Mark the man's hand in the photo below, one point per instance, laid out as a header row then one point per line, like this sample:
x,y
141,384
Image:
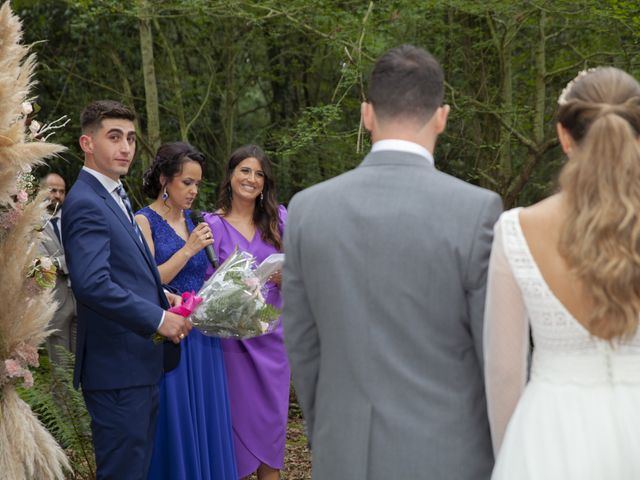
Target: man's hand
x,y
174,327
174,300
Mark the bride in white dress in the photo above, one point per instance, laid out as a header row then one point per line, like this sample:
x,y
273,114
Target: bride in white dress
x,y
568,268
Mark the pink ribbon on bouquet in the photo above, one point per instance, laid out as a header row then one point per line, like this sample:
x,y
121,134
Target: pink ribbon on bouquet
x,y
190,302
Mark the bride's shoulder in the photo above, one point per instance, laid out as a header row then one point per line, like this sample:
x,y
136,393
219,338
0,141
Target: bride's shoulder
x,y
541,222
543,213
539,216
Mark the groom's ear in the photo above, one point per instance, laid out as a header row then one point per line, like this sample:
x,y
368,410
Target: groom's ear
x,y
440,121
367,114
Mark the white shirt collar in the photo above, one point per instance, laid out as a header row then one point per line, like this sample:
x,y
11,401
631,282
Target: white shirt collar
x,y
108,183
402,146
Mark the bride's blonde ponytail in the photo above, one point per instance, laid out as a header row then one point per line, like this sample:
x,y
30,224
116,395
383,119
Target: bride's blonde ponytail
x,y
601,182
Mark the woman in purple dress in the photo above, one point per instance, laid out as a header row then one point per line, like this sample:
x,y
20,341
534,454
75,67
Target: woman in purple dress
x,y
258,372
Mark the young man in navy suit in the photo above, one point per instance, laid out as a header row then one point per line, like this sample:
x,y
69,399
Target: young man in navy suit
x,y
120,299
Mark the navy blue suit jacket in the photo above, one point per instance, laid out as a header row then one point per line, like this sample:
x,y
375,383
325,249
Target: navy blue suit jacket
x,y
118,290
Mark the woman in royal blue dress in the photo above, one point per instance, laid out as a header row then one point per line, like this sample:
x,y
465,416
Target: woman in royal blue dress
x,y
193,434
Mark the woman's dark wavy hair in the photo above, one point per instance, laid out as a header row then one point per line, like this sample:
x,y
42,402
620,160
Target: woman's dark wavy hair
x,y
168,163
265,215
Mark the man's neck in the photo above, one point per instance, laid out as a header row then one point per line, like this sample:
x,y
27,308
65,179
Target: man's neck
x,y
100,174
108,183
406,146
88,163
407,132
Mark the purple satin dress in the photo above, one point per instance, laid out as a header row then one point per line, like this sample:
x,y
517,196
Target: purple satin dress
x,y
258,374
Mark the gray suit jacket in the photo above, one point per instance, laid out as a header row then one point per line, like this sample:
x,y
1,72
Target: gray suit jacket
x,y
65,314
384,289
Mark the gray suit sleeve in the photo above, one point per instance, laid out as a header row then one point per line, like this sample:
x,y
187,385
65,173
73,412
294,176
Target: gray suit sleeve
x,y
300,330
42,245
48,247
476,272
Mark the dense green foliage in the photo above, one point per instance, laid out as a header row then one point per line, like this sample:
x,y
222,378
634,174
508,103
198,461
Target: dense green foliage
x,y
61,409
291,75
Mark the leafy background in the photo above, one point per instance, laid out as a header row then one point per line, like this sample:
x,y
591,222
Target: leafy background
x,y
290,76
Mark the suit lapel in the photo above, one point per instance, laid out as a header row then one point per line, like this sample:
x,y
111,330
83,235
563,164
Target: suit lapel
x,y
123,219
51,235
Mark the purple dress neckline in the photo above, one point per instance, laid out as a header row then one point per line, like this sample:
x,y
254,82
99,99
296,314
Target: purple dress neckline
x,y
255,232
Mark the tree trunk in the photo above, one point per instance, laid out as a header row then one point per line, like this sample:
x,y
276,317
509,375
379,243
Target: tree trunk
x,y
540,76
149,75
175,80
536,154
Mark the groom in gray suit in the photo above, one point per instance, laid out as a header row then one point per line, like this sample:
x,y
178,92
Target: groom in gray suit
x,y
384,286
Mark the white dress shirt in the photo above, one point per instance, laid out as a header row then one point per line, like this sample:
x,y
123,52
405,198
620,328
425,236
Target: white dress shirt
x,y
402,146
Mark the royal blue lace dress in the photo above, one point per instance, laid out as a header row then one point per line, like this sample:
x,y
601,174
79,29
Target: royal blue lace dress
x,y
193,434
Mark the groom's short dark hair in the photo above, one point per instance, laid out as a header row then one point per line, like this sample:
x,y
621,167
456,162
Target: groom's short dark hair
x,y
93,114
406,82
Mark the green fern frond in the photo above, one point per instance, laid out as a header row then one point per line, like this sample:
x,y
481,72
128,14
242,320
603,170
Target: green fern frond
x,y
61,409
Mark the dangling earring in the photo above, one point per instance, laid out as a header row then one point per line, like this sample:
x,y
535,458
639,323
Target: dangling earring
x,y
165,195
261,197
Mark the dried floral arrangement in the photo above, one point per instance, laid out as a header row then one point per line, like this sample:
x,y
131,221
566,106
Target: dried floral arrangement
x,y
27,450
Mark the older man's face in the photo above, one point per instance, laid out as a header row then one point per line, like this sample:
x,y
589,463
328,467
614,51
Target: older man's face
x,y
57,190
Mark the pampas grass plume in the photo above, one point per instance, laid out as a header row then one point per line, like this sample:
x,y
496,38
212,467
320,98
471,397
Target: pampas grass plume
x,y
27,449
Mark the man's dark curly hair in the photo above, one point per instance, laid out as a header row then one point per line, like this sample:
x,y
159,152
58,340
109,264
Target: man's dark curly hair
x,y
93,114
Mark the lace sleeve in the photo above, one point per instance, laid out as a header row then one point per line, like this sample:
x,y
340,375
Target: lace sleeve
x,y
506,341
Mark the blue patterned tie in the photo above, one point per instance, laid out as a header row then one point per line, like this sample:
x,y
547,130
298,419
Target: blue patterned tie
x,y
125,199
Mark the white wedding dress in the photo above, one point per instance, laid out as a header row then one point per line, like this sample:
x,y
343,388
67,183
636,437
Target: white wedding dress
x,y
578,417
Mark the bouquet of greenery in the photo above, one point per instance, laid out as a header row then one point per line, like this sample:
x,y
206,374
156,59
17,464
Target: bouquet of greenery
x,y
233,303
